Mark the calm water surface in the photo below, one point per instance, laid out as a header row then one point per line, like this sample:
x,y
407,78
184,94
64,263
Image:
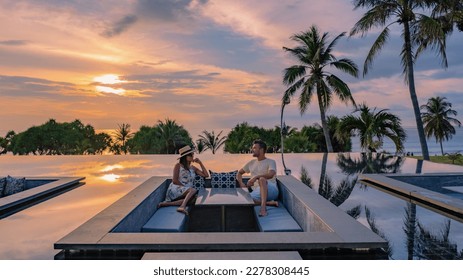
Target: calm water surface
x,y
30,234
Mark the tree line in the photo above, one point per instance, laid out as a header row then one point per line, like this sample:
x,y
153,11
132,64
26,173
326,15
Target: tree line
x,y
372,126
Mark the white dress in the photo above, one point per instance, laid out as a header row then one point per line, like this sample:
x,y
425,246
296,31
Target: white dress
x,y
186,177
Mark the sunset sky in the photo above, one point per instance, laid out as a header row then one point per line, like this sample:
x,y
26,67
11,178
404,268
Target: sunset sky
x,y
206,64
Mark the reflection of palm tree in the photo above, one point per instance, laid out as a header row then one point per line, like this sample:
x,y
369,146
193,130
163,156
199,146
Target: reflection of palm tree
x,y
438,121
314,55
121,136
372,223
211,141
335,194
369,163
305,177
355,212
432,247
410,228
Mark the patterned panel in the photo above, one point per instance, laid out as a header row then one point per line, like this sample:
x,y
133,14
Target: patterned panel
x,y
223,179
199,182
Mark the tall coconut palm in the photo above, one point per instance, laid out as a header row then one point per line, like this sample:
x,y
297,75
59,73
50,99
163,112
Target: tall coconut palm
x,y
419,32
211,141
438,121
121,136
315,55
372,127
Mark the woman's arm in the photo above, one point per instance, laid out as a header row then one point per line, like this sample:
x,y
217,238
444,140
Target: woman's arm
x,y
203,172
175,176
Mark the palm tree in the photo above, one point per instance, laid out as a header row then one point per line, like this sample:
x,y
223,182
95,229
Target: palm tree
x,y
172,135
372,127
212,142
419,32
314,55
438,121
121,136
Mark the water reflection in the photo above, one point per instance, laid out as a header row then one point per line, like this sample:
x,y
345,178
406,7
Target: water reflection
x,y
412,231
382,212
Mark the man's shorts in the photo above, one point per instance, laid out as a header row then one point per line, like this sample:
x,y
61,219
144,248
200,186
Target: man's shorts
x,y
272,193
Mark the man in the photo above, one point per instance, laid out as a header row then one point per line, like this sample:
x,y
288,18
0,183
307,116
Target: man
x,y
263,181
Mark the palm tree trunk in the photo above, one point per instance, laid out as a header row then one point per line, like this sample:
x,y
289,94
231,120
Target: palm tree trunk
x,y
326,131
441,147
411,87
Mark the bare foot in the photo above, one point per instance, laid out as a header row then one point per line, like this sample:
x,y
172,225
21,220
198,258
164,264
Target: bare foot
x,y
272,203
182,210
263,212
163,204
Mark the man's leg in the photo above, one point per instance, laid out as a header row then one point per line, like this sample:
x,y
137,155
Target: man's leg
x,y
263,196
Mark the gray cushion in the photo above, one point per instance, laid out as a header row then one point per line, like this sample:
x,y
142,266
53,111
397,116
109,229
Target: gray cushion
x,y
223,179
277,219
166,219
2,185
14,185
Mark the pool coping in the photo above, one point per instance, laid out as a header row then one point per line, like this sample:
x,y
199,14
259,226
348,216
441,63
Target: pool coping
x,y
443,204
24,199
343,231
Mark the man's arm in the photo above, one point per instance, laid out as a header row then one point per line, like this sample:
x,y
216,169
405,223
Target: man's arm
x,y
239,178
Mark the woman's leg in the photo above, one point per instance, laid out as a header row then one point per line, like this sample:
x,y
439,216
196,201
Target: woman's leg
x,y
189,194
170,203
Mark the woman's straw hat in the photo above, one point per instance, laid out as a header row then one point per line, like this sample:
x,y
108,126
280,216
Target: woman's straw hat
x,y
185,151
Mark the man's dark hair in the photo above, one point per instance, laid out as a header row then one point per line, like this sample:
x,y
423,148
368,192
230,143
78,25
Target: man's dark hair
x,y
261,144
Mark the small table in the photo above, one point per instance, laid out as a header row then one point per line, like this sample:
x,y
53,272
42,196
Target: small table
x,y
224,197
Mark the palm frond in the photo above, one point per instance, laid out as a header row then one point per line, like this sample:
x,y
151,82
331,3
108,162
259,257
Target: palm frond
x,y
428,33
375,49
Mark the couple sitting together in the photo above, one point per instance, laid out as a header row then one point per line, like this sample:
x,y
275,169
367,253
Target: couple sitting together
x,y
262,182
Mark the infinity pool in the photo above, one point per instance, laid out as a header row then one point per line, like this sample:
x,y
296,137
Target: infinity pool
x,y
413,232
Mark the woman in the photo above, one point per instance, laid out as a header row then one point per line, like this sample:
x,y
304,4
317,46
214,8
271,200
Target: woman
x,y
181,190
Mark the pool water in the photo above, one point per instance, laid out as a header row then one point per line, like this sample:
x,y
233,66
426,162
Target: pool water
x,y
412,232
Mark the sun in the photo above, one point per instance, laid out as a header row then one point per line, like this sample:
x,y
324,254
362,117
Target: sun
x,y
108,79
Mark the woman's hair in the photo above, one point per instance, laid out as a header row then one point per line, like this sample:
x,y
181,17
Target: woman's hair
x,y
184,162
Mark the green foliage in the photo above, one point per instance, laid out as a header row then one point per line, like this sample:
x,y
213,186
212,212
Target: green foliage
x,y
53,138
240,138
164,138
5,142
310,139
